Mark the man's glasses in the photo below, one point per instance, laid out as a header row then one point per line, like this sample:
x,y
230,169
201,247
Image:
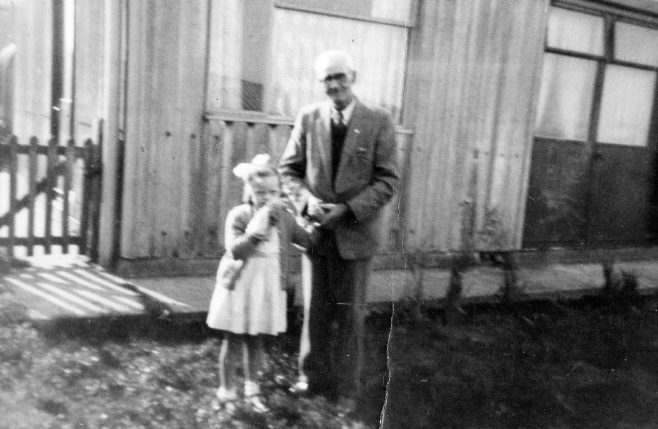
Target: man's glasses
x,y
338,77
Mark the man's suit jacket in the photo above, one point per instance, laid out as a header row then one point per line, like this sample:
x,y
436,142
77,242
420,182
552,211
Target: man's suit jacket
x,y
367,175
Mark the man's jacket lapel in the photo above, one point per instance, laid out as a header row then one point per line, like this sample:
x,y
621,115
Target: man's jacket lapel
x,y
345,172
323,130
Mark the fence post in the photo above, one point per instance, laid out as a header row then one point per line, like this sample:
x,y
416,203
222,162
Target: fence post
x,y
91,200
86,194
50,191
13,169
96,154
68,173
34,143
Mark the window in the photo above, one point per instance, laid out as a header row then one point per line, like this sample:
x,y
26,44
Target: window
x,y
262,58
7,88
581,49
565,97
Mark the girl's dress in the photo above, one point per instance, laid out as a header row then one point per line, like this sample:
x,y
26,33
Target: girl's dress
x,y
257,304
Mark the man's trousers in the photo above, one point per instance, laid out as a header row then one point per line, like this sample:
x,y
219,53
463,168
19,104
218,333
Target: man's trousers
x,y
333,336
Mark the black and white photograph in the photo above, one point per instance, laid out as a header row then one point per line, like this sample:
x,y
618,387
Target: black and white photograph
x,y
345,214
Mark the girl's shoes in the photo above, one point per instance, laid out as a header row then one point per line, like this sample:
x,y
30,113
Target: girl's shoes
x,y
226,395
226,399
252,396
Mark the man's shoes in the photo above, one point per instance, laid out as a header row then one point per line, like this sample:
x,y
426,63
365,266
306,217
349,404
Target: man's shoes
x,y
300,388
346,406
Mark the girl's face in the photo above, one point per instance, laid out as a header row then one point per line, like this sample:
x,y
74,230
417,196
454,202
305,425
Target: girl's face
x,y
263,190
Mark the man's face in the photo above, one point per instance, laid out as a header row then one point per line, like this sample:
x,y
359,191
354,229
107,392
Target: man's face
x,y
337,83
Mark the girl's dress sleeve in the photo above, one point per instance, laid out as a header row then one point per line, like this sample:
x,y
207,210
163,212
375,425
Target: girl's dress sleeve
x,y
236,240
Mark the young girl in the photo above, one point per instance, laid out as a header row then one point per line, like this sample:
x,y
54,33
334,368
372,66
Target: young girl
x,y
258,233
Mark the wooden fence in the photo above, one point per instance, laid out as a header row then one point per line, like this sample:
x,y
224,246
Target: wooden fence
x,y
182,188
49,195
236,141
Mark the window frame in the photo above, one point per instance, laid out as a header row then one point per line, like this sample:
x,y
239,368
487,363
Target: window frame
x,y
256,116
286,4
611,15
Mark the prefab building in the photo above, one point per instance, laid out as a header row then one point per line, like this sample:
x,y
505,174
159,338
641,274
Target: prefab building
x,y
521,124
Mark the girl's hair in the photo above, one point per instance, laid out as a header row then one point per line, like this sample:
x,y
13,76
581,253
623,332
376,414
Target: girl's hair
x,y
254,172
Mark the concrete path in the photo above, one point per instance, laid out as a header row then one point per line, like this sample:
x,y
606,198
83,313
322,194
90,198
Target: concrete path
x,y
71,287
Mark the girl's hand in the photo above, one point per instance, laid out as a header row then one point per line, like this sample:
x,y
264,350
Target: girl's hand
x,y
259,225
276,209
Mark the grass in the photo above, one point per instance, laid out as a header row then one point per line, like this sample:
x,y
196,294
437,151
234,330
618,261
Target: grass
x,y
584,364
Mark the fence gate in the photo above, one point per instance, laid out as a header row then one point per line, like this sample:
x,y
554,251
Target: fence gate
x,y
49,196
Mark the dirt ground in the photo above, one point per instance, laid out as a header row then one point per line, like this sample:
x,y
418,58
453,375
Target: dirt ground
x,y
583,364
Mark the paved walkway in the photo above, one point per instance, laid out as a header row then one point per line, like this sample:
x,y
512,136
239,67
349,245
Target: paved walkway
x,y
66,287
71,287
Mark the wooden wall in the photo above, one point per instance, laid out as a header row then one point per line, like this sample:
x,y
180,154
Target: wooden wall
x,y
89,62
6,23
473,71
32,95
475,66
164,114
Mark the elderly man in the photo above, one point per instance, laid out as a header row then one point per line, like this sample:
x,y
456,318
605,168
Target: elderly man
x,y
339,169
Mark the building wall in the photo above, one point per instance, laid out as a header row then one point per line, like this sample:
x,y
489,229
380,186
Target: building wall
x,y
32,96
89,62
474,70
166,71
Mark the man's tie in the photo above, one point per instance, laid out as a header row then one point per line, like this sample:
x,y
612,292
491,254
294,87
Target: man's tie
x,y
339,120
338,131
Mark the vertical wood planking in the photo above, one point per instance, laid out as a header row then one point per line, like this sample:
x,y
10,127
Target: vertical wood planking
x,y
393,214
226,178
51,179
90,25
86,197
96,186
33,68
135,236
32,173
166,74
13,173
68,173
475,68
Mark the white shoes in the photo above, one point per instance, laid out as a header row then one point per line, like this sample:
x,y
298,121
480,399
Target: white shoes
x,y
252,396
300,387
226,395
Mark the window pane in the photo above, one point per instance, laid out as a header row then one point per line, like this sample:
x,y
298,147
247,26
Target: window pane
x,y
626,106
379,53
575,31
397,10
636,44
392,9
565,97
237,76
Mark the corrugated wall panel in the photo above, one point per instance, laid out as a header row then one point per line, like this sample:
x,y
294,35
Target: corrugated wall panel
x,y
226,144
165,101
89,58
34,23
475,66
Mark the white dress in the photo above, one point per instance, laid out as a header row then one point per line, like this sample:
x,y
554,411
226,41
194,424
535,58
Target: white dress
x,y
257,304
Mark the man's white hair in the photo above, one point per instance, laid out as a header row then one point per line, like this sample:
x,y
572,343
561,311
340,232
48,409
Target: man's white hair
x,y
331,59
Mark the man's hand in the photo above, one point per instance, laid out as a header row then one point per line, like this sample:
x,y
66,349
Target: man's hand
x,y
314,209
333,215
